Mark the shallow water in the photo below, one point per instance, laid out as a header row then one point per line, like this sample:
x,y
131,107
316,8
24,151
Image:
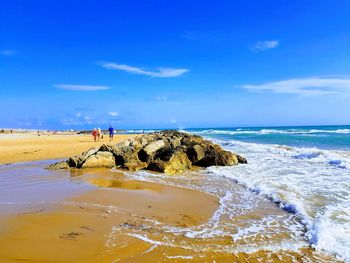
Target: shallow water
x,y
304,170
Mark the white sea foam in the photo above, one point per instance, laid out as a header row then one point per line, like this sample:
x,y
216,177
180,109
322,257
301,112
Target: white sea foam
x,y
262,231
273,131
144,238
179,256
312,183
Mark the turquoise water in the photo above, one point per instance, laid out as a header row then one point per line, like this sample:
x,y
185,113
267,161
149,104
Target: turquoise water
x,y
323,137
305,170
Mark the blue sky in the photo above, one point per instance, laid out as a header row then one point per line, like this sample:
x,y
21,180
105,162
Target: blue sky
x,y
174,64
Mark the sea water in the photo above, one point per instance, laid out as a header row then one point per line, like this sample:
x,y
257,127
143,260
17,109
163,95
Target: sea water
x,y
305,170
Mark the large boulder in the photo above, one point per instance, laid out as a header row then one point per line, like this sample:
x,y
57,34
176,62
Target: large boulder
x,y
215,155
171,152
100,159
195,153
154,146
78,160
178,163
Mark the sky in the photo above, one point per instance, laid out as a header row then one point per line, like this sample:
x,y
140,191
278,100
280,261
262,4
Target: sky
x,y
174,64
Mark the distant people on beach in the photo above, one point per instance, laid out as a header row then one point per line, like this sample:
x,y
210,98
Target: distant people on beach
x,y
111,132
99,134
94,134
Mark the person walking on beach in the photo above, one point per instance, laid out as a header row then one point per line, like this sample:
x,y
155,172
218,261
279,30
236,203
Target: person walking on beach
x,y
98,134
111,133
94,134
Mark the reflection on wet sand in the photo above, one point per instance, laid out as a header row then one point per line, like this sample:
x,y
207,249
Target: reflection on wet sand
x,y
111,217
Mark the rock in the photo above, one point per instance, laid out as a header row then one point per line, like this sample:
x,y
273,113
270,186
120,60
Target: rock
x,y
171,152
126,154
106,148
148,153
241,159
215,155
78,160
100,159
135,165
153,147
59,166
123,143
177,164
175,143
195,153
144,141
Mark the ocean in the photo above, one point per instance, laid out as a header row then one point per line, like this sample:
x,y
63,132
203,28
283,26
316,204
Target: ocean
x,y
305,170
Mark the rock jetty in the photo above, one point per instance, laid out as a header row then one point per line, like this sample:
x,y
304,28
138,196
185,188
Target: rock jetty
x,y
171,152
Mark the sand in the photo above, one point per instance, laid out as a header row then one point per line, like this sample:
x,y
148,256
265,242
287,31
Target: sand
x,y
80,229
24,147
96,215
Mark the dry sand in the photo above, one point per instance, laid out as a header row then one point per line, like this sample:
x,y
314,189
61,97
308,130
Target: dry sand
x,y
25,147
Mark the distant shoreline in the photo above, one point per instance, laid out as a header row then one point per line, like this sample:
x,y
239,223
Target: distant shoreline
x,y
22,147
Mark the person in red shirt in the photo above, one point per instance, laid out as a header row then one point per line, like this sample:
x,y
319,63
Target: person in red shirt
x,y
94,134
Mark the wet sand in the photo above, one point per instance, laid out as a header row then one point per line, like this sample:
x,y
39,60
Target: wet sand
x,y
23,147
80,228
97,215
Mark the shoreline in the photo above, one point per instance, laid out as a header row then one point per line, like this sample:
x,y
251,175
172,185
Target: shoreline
x,y
116,218
129,232
26,147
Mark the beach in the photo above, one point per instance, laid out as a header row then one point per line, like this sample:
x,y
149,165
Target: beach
x,y
110,215
24,147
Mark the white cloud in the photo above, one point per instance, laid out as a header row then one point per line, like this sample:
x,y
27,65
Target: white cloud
x,y
264,45
78,115
7,52
173,121
160,73
306,86
113,113
80,87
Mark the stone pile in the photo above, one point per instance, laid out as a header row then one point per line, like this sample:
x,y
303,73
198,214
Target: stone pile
x,y
170,152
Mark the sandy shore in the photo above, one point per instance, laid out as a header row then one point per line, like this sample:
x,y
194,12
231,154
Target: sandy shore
x,y
97,215
83,228
25,147
119,220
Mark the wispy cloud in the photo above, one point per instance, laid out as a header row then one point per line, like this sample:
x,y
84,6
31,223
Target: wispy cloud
x,y
7,52
314,86
264,45
81,87
160,73
113,113
161,98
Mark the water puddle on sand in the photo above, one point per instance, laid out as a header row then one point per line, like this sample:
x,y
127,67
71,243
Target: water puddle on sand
x,y
98,215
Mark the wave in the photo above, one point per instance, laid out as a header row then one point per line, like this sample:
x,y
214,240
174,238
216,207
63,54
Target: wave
x,y
309,182
272,131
